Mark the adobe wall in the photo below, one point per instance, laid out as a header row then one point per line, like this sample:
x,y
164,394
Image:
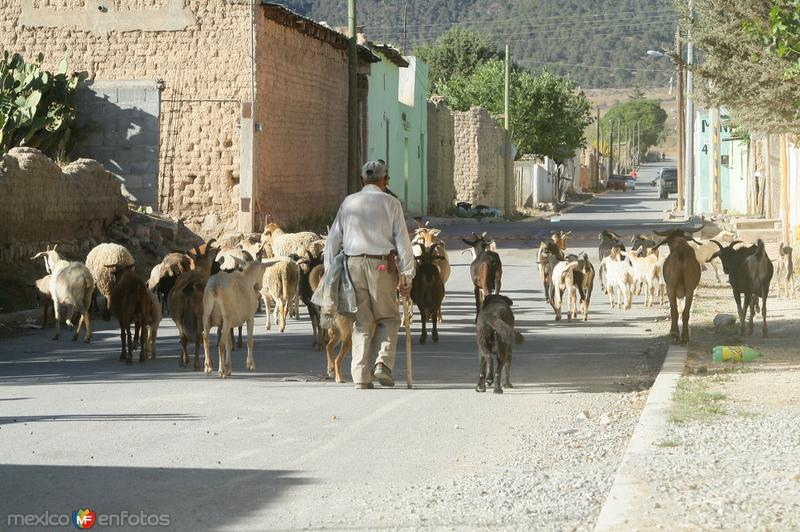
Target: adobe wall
x,y
480,168
441,158
301,151
200,51
42,203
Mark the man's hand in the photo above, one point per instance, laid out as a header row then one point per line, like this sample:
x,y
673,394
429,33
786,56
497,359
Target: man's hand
x,y
405,288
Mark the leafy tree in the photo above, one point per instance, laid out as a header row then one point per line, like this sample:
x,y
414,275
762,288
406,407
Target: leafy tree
x,y
734,72
781,35
637,93
548,116
647,113
457,52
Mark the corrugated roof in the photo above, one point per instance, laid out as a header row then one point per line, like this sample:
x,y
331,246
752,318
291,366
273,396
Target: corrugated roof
x,y
286,17
390,52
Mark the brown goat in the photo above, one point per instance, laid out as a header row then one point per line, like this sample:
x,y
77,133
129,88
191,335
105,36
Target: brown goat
x,y
682,275
560,239
130,303
186,303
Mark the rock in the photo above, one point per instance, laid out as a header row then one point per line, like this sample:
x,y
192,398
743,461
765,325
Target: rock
x,y
604,419
567,432
582,416
723,320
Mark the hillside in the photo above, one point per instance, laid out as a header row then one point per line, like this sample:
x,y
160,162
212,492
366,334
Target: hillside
x,y
601,43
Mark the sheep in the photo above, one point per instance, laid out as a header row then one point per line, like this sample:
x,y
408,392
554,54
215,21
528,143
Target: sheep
x,y
130,302
281,284
749,272
619,278
284,244
785,271
704,249
101,260
71,284
186,304
682,275
427,290
646,273
229,300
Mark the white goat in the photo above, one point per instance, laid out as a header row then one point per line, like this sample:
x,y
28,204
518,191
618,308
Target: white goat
x,y
619,279
706,248
71,284
646,273
281,284
230,300
564,285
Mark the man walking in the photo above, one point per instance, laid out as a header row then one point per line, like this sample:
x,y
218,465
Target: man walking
x,y
370,228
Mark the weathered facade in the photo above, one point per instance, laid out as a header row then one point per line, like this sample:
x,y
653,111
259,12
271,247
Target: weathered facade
x,y
197,54
441,158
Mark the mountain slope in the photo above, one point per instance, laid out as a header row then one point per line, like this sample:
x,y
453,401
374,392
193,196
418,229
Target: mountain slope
x,y
599,43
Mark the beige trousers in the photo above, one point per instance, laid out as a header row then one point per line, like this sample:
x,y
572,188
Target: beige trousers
x,y
377,318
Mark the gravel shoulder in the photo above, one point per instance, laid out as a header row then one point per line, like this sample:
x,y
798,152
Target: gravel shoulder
x,y
729,457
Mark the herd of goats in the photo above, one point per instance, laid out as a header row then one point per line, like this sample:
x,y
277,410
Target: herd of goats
x,y
223,286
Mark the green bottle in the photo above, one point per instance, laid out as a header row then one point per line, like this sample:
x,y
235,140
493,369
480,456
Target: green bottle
x,y
735,353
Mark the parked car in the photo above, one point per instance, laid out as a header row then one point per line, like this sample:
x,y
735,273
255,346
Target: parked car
x,y
617,182
667,182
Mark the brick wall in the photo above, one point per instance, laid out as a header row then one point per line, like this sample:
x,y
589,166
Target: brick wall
x,y
480,169
301,151
205,71
41,203
441,140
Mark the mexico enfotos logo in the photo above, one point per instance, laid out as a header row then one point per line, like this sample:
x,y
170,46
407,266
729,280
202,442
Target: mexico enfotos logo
x,y
85,519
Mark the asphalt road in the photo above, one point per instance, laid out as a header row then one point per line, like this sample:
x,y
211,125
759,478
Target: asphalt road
x,y
280,448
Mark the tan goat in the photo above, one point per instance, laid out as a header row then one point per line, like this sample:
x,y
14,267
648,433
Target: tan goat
x,y
646,274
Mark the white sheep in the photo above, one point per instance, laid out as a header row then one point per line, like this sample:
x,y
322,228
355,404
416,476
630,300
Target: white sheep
x,y
281,284
619,279
230,300
71,284
101,261
283,244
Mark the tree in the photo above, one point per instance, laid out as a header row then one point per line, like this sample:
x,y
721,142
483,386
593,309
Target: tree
x,y
734,72
781,35
456,53
649,114
548,116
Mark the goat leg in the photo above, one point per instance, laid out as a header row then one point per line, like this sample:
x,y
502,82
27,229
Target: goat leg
x,y
490,367
687,307
764,313
129,355
78,329
143,339
673,315
251,363
741,311
57,318
424,319
477,302
122,340
434,324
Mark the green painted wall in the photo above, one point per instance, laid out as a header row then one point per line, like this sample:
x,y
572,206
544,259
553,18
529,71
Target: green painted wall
x,y
396,131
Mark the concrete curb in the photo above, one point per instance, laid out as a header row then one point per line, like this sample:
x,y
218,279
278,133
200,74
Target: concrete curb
x,y
619,510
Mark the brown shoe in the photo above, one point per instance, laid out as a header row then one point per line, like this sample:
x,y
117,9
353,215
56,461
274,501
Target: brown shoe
x,y
383,374
364,386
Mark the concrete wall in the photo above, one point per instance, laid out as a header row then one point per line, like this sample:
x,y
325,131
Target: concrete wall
x,y
413,108
122,120
43,203
480,174
301,151
441,158
199,50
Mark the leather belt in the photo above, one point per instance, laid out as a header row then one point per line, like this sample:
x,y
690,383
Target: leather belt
x,y
368,256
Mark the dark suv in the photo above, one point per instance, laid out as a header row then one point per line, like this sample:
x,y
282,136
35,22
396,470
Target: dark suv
x,y
667,182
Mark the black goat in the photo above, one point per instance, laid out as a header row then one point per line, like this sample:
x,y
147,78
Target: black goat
x,y
427,290
647,244
307,265
749,272
608,240
496,331
486,269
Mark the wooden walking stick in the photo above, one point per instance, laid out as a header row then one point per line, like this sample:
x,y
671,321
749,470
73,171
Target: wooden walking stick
x,y
407,312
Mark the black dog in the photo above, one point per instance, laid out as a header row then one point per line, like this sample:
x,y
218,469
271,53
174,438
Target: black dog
x,y
496,331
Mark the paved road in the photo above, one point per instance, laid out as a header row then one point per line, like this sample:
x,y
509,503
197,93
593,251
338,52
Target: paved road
x,y
279,448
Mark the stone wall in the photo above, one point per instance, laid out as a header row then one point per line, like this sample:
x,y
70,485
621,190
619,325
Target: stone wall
x,y
480,173
441,141
42,203
301,151
199,50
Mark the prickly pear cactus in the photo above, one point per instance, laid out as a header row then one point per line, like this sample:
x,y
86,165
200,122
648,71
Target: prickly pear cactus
x,y
37,107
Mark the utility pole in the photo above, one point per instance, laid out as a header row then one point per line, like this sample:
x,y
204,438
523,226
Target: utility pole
x,y
619,143
638,142
610,148
689,139
598,138
507,89
405,21
714,160
681,126
353,181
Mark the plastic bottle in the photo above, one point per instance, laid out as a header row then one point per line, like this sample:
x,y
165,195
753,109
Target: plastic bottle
x,y
735,353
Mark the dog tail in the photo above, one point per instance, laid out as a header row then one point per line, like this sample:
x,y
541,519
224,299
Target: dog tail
x,y
505,331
